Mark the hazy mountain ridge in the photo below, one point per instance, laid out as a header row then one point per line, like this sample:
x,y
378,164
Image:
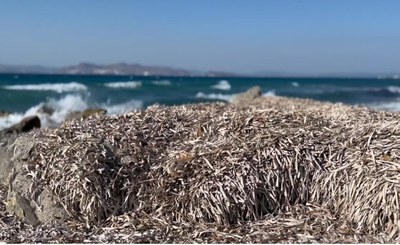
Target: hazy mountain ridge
x,y
111,69
145,70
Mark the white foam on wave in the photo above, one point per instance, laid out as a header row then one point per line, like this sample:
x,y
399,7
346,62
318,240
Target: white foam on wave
x,y
222,85
129,106
56,87
269,93
62,108
394,89
128,84
393,106
214,96
162,83
295,84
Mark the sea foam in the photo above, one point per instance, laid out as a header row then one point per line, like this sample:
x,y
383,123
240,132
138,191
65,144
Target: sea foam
x,y
122,108
214,96
56,87
128,84
162,83
63,107
222,85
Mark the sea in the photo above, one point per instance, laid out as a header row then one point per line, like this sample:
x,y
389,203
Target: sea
x,y
24,95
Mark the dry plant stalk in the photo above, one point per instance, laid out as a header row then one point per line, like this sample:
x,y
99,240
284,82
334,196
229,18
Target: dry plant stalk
x,y
219,165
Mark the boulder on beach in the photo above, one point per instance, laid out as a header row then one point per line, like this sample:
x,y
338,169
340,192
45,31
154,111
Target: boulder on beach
x,y
31,204
248,96
86,113
26,125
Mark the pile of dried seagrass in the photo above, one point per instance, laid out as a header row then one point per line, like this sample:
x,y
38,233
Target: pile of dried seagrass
x,y
275,170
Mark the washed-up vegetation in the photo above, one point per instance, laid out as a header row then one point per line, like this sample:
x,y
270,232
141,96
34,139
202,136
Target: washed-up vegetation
x,y
273,170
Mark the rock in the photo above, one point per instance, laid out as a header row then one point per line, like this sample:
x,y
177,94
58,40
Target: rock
x,y
86,113
89,112
30,204
4,113
45,109
26,124
248,96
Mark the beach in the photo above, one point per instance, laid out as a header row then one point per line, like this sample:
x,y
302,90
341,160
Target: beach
x,y
266,169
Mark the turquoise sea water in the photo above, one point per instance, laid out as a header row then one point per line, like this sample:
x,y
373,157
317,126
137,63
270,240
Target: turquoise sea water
x,y
24,94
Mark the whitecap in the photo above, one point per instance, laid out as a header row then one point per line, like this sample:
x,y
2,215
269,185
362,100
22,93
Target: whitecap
x,y
295,84
128,84
269,93
129,106
62,108
162,82
213,96
56,87
222,85
394,89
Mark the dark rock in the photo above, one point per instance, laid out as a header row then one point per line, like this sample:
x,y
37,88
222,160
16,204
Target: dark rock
x,y
248,96
26,124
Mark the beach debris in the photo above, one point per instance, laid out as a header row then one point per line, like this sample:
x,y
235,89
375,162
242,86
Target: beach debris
x,y
271,170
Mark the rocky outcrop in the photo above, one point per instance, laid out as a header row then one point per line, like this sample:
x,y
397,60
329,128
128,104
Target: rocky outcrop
x,y
25,200
248,96
26,125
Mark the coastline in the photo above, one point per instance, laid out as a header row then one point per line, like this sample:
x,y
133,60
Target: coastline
x,y
269,169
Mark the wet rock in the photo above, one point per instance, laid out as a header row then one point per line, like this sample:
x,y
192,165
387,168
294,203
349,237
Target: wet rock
x,y
86,113
45,109
4,113
248,96
26,125
89,112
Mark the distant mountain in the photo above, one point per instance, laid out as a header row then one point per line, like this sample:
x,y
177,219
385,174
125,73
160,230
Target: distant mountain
x,y
123,69
21,69
112,69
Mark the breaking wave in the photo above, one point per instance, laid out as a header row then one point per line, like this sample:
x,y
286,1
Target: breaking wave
x,y
222,85
213,96
56,87
162,83
128,84
54,111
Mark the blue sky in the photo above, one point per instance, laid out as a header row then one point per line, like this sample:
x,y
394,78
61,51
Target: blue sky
x,y
243,36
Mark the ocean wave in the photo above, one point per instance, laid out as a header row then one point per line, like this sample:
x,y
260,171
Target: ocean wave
x,y
129,106
269,93
213,96
63,107
222,85
162,83
295,84
128,84
393,89
56,87
393,106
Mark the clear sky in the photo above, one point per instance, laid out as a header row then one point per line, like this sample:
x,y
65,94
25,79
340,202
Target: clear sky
x,y
310,36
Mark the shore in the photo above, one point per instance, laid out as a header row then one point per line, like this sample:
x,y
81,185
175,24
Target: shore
x,y
267,170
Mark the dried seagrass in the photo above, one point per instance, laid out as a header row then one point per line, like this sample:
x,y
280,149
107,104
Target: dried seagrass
x,y
227,173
